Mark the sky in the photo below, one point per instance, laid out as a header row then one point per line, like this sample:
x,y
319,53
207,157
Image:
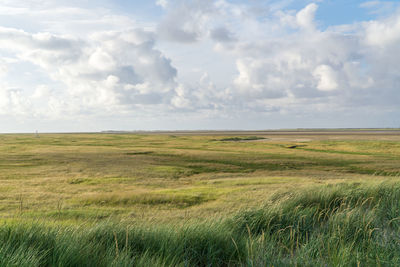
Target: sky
x,y
73,66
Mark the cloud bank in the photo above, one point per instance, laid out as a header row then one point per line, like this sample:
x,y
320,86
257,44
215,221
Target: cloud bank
x,y
282,64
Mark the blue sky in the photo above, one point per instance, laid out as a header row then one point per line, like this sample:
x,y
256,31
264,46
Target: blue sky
x,y
331,12
198,64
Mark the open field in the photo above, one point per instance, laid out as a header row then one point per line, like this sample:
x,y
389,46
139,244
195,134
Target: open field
x,y
249,198
83,177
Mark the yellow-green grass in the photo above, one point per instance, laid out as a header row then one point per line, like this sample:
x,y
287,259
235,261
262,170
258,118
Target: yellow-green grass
x,y
84,178
347,224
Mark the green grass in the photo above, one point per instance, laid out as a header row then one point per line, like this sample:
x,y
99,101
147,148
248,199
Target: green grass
x,y
337,225
200,200
340,225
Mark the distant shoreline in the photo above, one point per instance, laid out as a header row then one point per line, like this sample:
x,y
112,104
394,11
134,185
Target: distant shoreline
x,y
299,131
344,131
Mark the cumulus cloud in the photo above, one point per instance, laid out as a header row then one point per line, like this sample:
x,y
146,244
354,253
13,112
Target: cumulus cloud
x,y
383,33
316,67
282,62
162,3
186,21
305,17
13,102
326,76
290,63
108,70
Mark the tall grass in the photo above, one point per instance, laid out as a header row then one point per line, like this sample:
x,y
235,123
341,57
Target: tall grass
x,y
340,225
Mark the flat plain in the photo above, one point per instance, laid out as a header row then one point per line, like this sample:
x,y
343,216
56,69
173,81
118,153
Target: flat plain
x,y
176,175
183,179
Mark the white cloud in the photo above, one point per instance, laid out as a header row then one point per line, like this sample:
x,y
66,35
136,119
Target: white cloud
x,y
42,91
13,102
180,100
327,78
382,8
107,71
95,62
162,3
186,21
3,69
305,17
383,33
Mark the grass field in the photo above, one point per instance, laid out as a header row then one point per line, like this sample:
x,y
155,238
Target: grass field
x,y
307,198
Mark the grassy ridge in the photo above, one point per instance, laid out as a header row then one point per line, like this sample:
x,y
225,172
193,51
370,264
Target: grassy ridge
x,y
338,225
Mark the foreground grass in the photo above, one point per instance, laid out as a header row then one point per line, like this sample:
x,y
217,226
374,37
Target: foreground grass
x,y
338,225
315,199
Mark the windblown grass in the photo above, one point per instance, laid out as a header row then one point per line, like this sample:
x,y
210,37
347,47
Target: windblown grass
x,y
340,225
191,200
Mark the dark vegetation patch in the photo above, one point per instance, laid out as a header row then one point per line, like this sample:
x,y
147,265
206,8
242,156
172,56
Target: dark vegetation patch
x,y
340,152
176,200
237,139
74,214
78,180
140,153
236,164
295,146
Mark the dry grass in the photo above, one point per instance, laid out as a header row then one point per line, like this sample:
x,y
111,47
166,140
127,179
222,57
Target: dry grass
x,y
86,177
